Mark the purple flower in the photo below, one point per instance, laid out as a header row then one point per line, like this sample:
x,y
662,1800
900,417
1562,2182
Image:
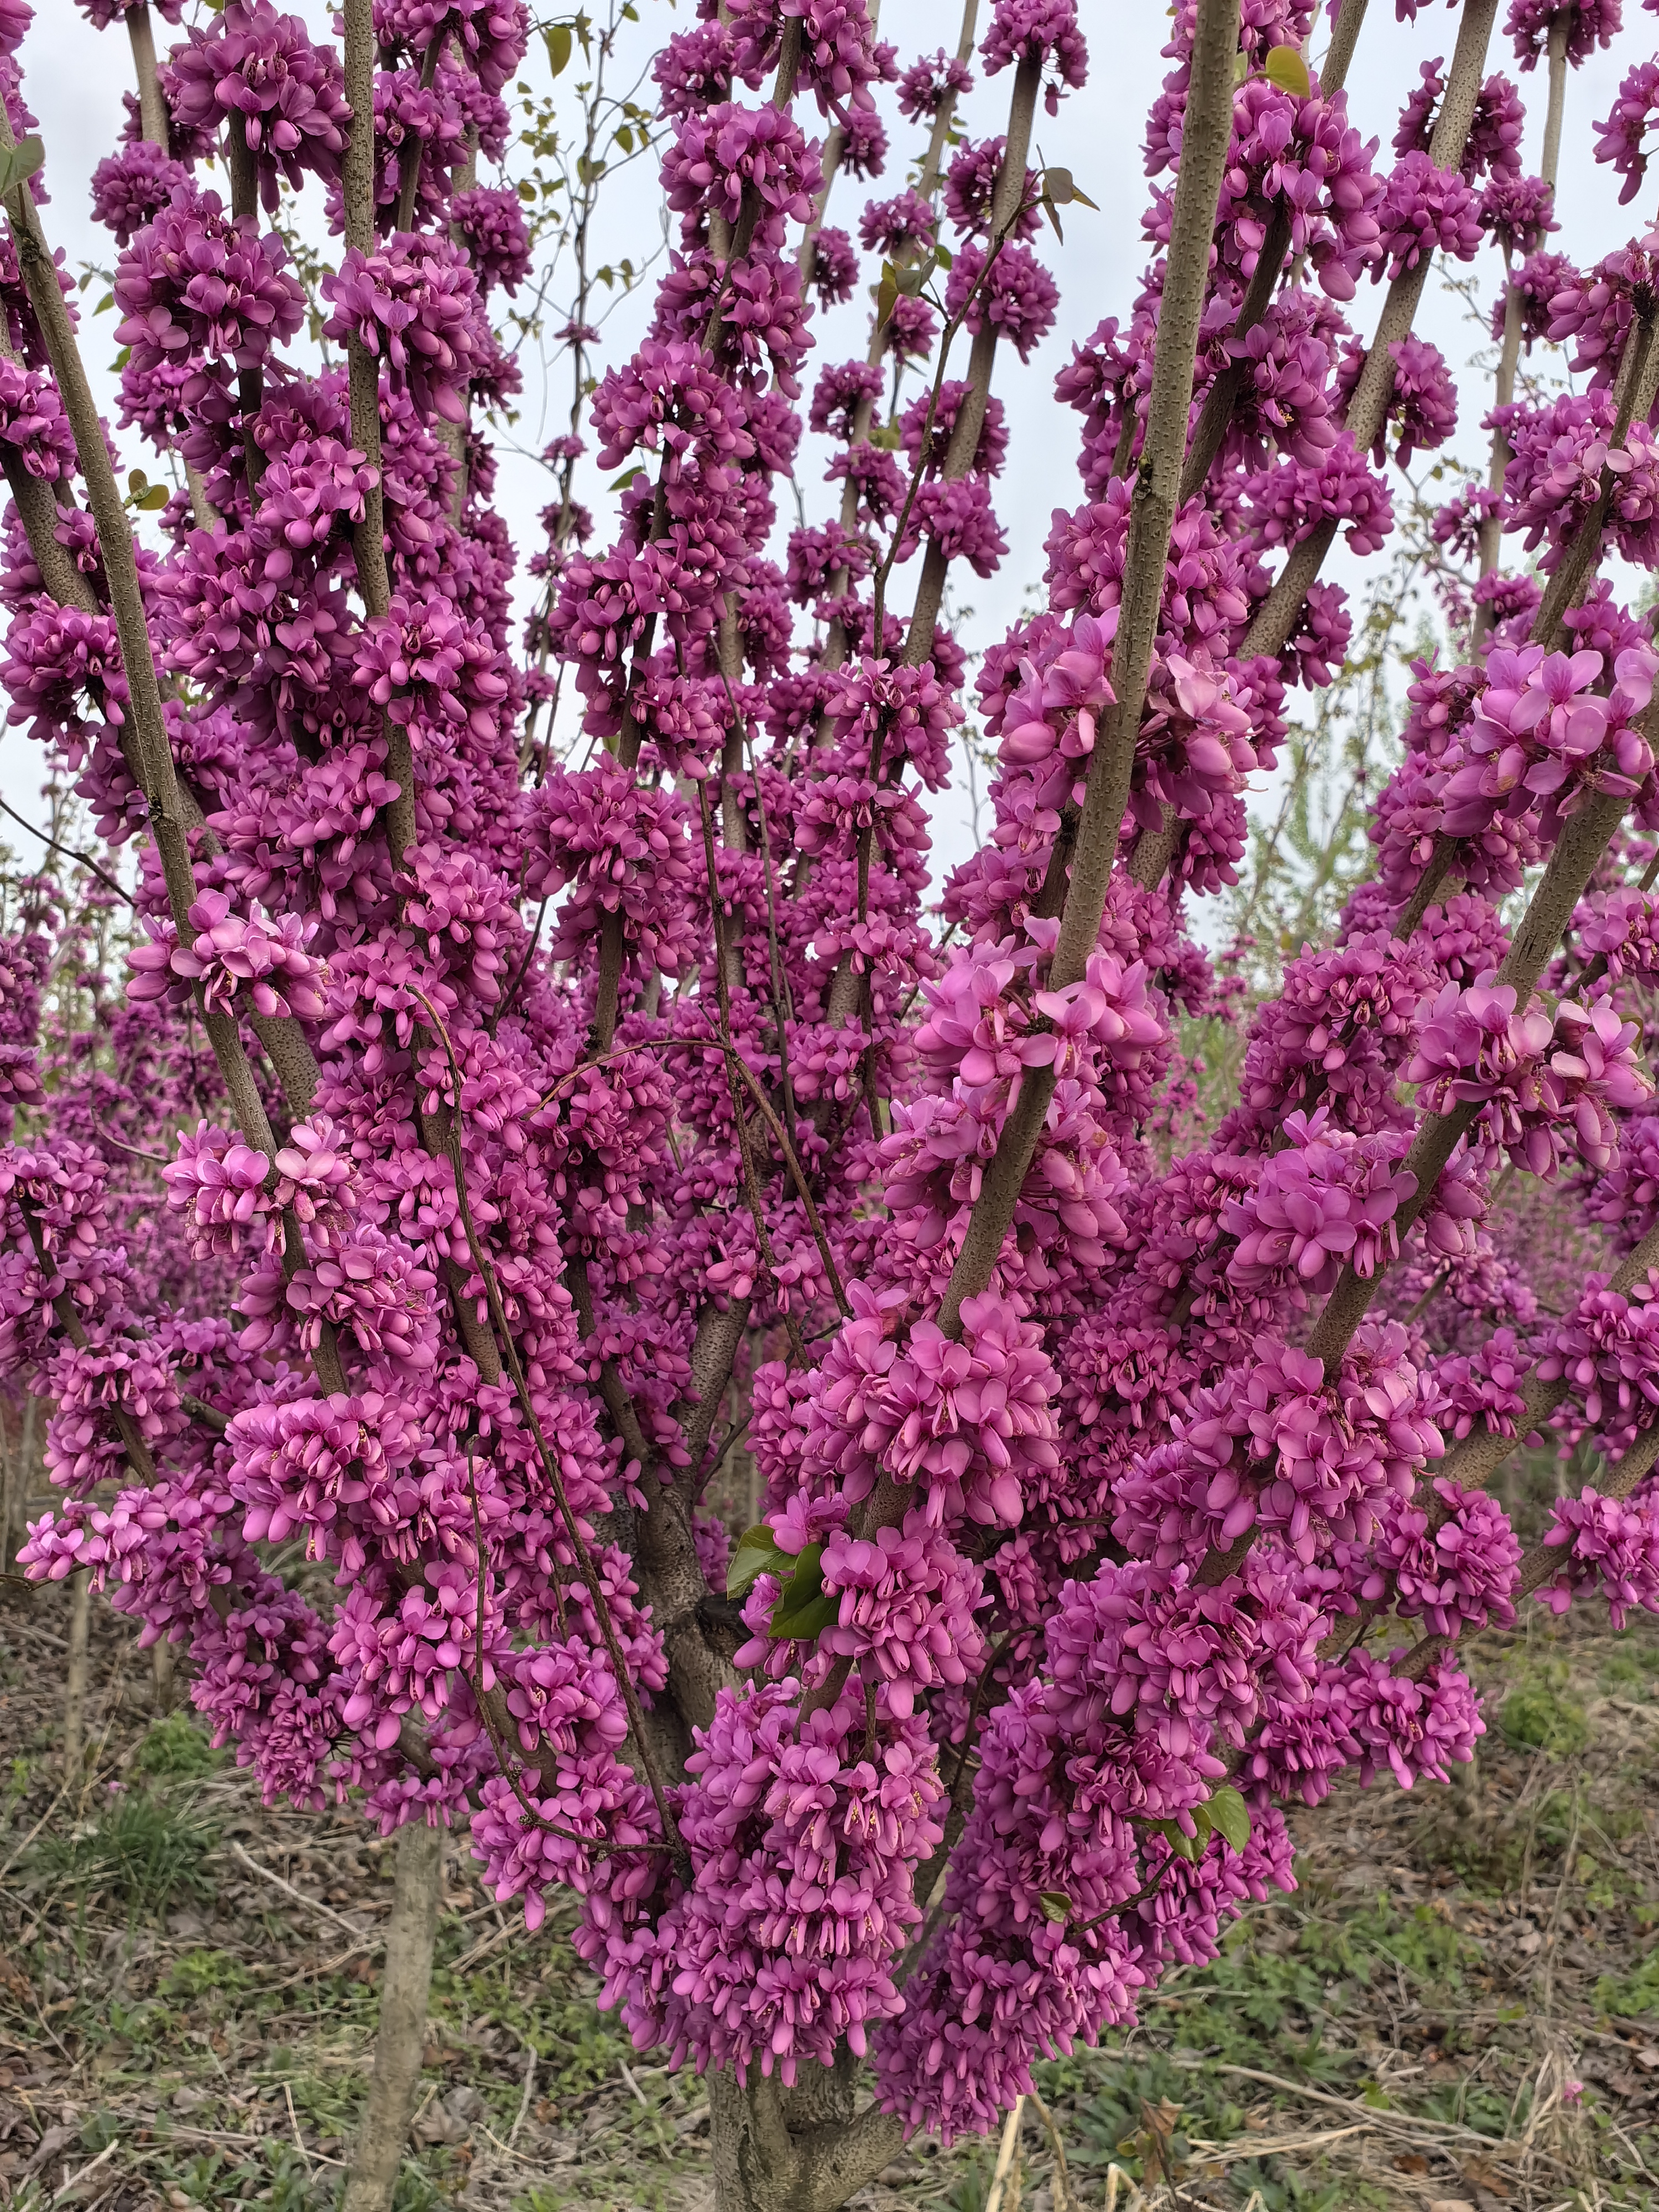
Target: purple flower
x,y
1517,212
492,35
1590,23
1627,127
841,388
1609,1546
491,221
262,68
1043,31
414,302
719,155
197,282
1423,209
929,83
903,225
218,1182
1454,1564
969,182
1327,1200
1017,298
1414,1728
131,187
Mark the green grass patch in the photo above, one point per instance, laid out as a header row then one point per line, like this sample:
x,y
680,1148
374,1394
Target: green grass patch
x,y
177,1750
144,1849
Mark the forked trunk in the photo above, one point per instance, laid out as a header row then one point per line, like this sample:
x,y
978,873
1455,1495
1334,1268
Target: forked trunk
x,y
794,2150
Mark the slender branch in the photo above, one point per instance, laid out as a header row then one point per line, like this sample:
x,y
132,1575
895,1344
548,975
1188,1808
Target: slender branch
x,y
1584,837
1560,28
1334,70
507,1346
745,1151
1368,408
1206,134
69,853
1006,197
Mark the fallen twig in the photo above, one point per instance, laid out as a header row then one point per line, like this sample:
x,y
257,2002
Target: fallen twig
x,y
313,1904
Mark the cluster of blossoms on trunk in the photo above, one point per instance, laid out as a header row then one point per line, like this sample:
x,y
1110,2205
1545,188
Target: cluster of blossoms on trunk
x,y
540,1122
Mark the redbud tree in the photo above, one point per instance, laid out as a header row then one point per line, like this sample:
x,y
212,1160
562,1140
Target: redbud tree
x,y
546,1062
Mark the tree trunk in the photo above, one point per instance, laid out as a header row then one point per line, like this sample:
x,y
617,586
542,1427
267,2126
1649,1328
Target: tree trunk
x,y
794,2150
161,1670
75,1692
384,2130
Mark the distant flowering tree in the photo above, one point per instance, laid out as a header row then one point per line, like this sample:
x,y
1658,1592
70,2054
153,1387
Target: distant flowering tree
x,y
538,1125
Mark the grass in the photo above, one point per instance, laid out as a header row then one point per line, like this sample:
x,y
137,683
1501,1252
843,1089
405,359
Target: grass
x,y
1446,1965
145,1849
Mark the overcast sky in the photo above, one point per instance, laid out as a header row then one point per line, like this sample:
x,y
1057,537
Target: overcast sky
x,y
74,78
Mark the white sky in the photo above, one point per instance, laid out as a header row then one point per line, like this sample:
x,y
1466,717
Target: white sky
x,y
74,78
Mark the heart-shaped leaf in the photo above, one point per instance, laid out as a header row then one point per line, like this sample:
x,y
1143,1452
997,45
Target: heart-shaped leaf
x,y
1056,1906
1230,1816
1285,68
558,36
1057,186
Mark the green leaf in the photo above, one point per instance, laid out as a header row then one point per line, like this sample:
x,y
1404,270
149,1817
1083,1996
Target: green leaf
x,y
886,294
1056,1906
944,258
19,163
1229,1814
558,38
105,304
1057,186
1285,68
137,481
156,496
809,1623
804,1609
757,1553
622,482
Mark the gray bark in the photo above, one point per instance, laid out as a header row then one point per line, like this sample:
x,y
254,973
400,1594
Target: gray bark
x,y
383,2129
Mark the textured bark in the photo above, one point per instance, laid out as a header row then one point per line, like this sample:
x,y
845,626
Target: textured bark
x,y
153,121
1559,29
1334,74
383,2129
761,2165
163,1676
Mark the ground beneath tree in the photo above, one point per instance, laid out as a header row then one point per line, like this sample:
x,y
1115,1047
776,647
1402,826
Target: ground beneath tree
x,y
1459,2007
